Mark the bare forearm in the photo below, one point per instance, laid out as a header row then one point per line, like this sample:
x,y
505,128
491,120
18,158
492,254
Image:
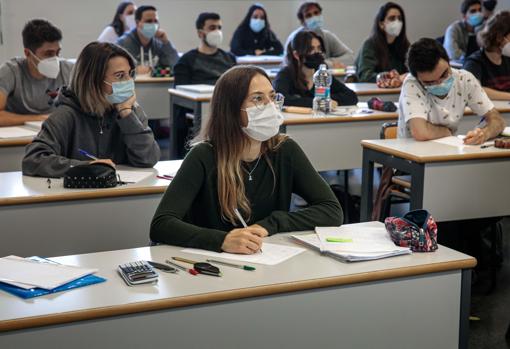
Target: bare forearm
x,y
494,127
497,95
12,119
426,131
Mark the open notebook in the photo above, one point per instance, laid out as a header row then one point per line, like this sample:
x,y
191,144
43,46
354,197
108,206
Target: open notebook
x,y
353,242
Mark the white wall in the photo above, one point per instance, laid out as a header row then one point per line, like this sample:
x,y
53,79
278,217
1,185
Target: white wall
x,y
82,20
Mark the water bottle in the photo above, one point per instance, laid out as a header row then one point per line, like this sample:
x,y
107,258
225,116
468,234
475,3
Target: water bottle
x,y
322,80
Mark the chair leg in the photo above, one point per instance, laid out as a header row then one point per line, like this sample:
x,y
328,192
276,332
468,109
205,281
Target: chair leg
x,y
347,203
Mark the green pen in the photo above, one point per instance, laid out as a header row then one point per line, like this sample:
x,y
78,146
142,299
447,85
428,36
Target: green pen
x,y
332,239
245,267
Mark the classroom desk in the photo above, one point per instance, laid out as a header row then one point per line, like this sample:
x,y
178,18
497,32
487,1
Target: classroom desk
x,y
151,94
35,219
12,152
332,142
306,301
267,62
452,182
367,90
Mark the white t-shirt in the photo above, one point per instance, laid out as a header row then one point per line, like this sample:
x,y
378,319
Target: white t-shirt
x,y
416,102
108,35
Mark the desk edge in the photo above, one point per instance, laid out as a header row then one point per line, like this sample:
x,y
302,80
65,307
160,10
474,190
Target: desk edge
x,y
214,297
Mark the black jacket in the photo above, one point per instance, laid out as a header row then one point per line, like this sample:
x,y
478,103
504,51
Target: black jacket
x,y
283,84
245,41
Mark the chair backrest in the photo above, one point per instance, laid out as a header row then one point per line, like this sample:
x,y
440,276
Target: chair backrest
x,y
388,130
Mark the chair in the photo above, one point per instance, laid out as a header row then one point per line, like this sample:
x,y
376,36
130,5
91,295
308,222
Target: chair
x,y
394,189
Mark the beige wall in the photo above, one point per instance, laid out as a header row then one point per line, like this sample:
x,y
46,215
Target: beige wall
x,y
83,20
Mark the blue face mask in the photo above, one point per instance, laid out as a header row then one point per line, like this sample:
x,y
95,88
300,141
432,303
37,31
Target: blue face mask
x,y
149,30
475,19
441,89
315,22
257,24
122,91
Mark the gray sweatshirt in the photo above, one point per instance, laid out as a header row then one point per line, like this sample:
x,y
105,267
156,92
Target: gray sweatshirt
x,y
163,54
456,40
127,140
333,47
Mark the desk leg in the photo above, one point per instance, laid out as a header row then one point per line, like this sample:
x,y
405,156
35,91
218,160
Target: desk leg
x,y
417,178
465,303
173,129
367,186
197,120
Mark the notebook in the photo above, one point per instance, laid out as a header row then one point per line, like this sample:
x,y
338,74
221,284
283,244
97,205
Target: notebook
x,y
199,88
359,242
36,291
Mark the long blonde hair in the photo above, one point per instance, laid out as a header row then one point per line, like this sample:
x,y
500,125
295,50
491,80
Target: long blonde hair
x,y
224,132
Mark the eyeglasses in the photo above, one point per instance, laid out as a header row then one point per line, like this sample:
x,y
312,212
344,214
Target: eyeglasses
x,y
259,100
446,74
122,76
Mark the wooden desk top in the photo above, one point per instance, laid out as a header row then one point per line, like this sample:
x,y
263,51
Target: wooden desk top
x,y
308,270
369,88
15,142
354,114
431,151
149,79
17,189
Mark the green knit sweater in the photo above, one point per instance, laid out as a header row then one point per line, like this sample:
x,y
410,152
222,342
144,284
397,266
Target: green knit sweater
x,y
189,213
367,62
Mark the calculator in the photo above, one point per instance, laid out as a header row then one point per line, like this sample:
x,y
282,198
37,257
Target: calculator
x,y
139,272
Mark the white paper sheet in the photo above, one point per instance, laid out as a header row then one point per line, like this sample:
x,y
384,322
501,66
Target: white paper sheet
x,y
456,141
506,132
272,254
363,239
16,132
14,270
134,176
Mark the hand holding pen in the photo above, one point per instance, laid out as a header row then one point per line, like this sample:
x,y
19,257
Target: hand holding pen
x,y
95,159
246,240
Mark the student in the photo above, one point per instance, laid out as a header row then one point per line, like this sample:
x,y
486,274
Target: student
x,y
434,97
386,48
491,64
488,7
29,85
254,35
97,113
310,17
242,163
148,43
205,64
295,79
123,21
460,38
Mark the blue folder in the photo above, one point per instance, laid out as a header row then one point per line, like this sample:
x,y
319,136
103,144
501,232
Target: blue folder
x,y
36,292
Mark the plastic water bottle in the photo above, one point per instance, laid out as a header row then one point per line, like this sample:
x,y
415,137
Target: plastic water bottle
x,y
322,80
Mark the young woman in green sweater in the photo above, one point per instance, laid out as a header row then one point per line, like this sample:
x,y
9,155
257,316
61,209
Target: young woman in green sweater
x,y
242,163
385,50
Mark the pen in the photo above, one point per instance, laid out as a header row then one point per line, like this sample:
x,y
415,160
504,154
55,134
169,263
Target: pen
x,y
200,267
487,145
245,267
333,239
191,271
87,154
165,177
238,214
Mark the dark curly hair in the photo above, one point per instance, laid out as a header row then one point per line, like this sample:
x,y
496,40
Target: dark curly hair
x,y
494,31
38,31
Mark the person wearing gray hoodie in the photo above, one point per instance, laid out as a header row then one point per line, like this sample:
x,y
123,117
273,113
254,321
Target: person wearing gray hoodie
x,y
97,113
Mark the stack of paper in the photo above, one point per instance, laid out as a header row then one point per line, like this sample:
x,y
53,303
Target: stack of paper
x,y
354,242
21,276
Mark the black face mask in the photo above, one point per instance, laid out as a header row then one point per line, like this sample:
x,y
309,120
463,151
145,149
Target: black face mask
x,y
314,60
490,5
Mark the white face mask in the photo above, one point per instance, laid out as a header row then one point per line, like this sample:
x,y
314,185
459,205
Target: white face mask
x,y
505,51
214,38
130,22
393,28
49,67
263,124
